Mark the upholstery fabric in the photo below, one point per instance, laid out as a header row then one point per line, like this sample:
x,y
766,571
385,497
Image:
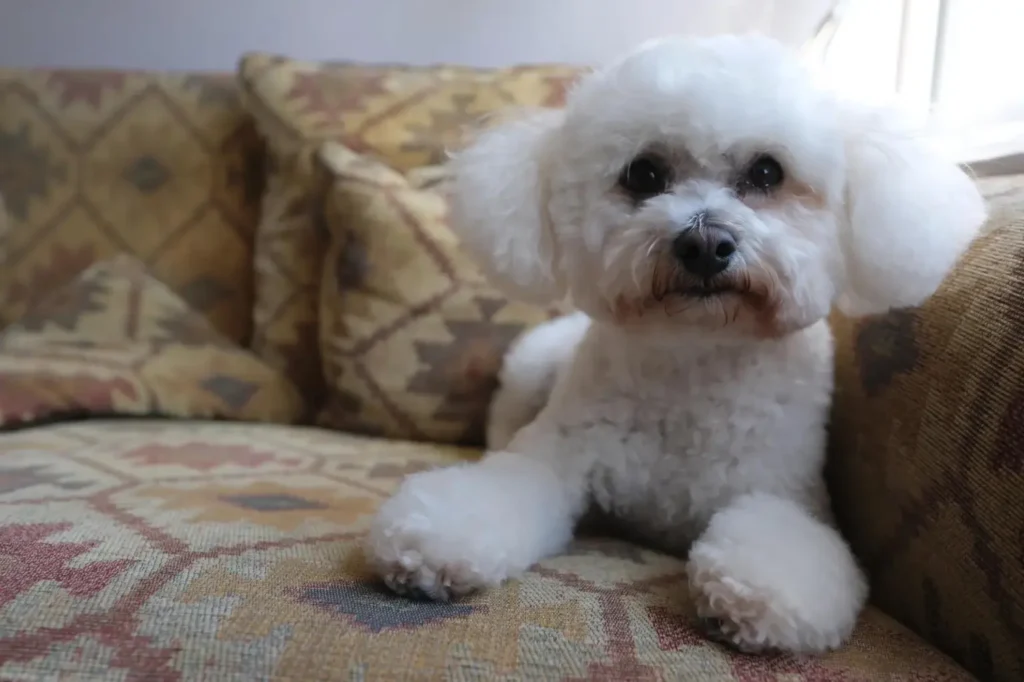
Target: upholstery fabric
x,y
927,452
166,167
412,336
407,116
189,551
116,341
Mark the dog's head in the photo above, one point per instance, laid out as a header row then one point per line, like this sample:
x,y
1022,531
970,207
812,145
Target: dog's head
x,y
709,183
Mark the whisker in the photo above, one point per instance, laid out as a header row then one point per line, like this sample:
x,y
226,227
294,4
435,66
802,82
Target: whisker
x,y
680,308
636,275
655,280
638,260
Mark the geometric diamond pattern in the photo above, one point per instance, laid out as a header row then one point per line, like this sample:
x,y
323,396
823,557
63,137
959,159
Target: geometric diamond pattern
x,y
148,171
107,162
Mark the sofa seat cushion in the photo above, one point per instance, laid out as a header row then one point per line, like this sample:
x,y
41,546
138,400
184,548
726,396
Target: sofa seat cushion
x,y
176,550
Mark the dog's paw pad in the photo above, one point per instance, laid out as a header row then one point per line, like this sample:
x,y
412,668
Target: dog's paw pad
x,y
419,579
726,632
734,614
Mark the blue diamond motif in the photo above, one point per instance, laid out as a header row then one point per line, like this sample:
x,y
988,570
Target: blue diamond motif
x,y
377,609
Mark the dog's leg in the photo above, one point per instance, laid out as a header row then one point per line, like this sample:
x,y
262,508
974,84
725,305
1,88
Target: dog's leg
x,y
767,575
451,531
528,374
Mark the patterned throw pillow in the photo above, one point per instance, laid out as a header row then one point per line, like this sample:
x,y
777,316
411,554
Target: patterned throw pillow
x,y
927,451
412,335
166,167
405,115
116,341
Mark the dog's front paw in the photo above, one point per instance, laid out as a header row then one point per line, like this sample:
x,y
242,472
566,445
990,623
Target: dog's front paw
x,y
756,611
421,563
432,539
766,576
739,615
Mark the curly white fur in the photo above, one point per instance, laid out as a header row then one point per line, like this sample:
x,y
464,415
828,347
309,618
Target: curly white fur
x,y
697,417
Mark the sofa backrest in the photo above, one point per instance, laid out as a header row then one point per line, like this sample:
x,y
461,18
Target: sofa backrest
x,y
165,167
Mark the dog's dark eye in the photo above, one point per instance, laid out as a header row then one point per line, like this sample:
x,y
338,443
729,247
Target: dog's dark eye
x,y
765,173
644,177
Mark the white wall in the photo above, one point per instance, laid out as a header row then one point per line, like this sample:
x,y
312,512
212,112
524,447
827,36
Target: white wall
x,y
210,34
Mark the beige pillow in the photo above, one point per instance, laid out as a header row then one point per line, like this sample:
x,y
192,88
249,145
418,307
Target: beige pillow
x,y
411,333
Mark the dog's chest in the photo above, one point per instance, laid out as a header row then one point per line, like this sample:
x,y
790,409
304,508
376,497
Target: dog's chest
x,y
674,447
663,472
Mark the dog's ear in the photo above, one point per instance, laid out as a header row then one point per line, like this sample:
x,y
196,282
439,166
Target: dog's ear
x,y
910,214
499,205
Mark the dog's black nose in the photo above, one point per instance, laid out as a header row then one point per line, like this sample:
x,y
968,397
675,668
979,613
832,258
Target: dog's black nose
x,y
704,252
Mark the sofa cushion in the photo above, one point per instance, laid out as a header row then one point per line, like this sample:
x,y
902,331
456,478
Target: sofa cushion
x,y
927,451
406,115
117,341
166,167
412,336
232,552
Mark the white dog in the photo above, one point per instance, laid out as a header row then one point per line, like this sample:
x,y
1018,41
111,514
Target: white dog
x,y
704,206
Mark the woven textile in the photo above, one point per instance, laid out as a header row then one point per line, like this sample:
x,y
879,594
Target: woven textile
x,y
178,551
927,460
167,168
116,341
407,116
412,336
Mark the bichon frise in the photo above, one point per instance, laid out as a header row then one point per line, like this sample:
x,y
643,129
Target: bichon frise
x,y
703,205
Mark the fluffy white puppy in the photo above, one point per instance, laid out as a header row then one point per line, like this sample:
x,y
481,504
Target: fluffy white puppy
x,y
704,206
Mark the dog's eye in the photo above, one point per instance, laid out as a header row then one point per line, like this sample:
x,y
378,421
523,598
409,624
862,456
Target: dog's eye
x,y
644,177
765,173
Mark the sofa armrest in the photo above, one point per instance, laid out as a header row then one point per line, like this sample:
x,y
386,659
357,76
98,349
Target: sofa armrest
x,y
926,459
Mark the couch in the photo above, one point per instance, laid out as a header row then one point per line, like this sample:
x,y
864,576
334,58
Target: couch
x,y
232,318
